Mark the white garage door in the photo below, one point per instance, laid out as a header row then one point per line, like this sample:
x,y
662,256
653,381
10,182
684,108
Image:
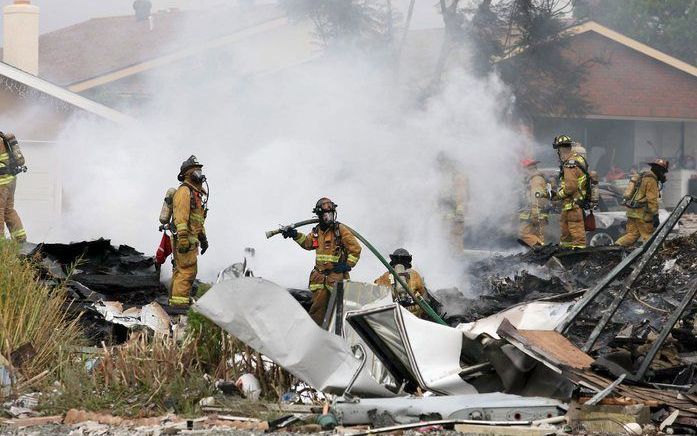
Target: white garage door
x,y
38,199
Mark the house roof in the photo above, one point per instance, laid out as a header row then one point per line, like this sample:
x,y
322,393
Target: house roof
x,y
100,46
159,61
55,91
592,26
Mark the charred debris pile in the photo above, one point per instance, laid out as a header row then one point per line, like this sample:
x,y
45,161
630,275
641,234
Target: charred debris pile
x,y
555,274
500,282
107,285
593,340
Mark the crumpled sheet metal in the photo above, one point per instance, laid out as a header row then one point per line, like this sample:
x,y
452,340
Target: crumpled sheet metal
x,y
429,351
152,316
528,316
489,407
266,317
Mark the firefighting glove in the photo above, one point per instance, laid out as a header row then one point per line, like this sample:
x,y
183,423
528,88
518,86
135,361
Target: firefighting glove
x,y
289,232
183,243
341,267
204,243
656,221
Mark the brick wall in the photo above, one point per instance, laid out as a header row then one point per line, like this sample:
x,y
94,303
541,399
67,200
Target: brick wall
x,y
632,84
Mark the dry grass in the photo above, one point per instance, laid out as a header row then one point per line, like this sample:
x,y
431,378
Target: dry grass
x,y
146,376
32,312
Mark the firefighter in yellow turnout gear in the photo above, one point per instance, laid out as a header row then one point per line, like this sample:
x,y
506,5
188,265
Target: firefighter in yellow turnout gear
x,y
336,252
11,164
533,213
573,191
188,216
641,200
400,260
452,200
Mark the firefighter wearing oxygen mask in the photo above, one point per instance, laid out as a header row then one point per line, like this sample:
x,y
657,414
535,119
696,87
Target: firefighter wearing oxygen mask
x,y
641,200
533,214
336,252
188,216
574,193
11,163
400,260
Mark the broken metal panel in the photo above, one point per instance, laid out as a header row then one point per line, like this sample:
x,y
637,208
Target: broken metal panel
x,y
582,375
358,295
485,407
418,352
550,347
591,295
667,328
646,251
152,316
267,318
354,296
400,369
653,243
528,316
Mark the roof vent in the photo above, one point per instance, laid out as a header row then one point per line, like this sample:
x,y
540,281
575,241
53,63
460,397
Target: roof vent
x,y
143,8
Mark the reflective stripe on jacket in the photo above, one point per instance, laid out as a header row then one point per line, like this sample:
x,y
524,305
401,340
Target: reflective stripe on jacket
x,y
534,207
188,213
331,248
574,182
414,281
646,196
5,179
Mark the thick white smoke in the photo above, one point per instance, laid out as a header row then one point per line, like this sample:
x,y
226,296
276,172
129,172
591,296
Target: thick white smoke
x,y
272,145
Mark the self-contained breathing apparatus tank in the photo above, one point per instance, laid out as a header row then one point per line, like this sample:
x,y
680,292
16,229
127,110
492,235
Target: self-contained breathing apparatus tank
x,y
167,209
17,160
595,189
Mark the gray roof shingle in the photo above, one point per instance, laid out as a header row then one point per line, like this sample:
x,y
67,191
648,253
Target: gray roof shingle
x,y
102,45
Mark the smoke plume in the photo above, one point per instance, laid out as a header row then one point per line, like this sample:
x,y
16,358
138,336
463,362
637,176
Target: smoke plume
x,y
272,144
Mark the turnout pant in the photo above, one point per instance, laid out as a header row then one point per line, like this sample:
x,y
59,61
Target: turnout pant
x,y
636,228
8,214
322,286
183,276
532,233
573,230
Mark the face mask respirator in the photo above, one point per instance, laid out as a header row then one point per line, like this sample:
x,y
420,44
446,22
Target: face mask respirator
x,y
198,177
328,217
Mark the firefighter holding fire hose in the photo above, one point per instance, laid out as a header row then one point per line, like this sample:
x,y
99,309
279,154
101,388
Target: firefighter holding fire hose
x,y
400,260
336,252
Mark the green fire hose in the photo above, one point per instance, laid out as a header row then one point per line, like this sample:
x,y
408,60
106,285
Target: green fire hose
x,y
416,297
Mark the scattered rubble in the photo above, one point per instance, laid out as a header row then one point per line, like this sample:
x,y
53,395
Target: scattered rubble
x,y
115,273
500,282
112,289
595,340
510,344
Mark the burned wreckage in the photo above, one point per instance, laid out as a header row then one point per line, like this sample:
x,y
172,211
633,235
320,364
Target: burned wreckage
x,y
111,289
559,335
